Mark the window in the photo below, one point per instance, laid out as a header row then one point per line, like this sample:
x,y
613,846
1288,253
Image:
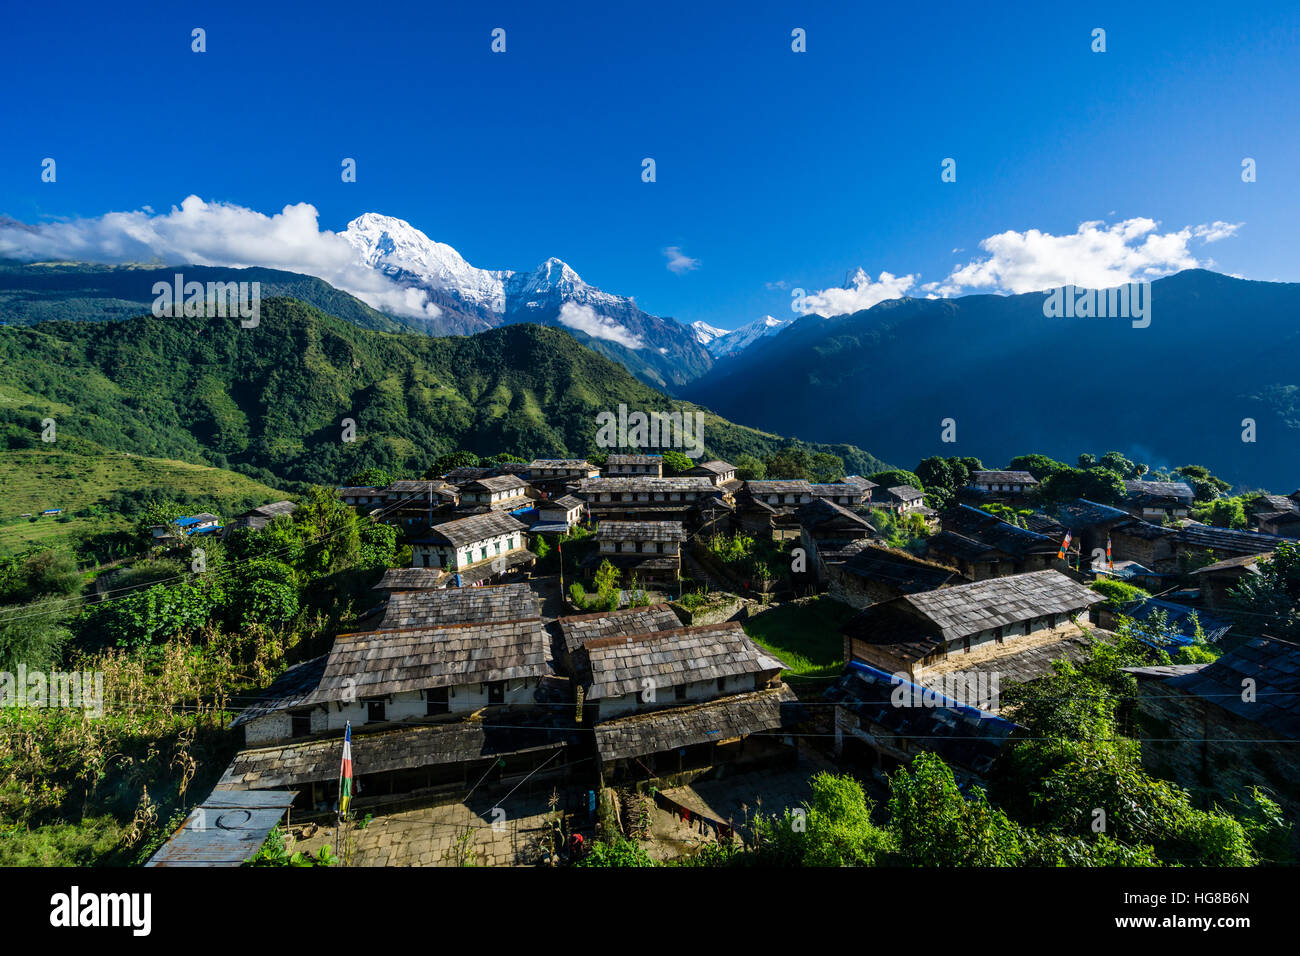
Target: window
x,y
679,692
375,711
436,702
722,685
497,692
300,724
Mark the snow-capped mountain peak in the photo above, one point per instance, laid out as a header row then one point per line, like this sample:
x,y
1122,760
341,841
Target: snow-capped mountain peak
x,y
400,250
705,333
720,342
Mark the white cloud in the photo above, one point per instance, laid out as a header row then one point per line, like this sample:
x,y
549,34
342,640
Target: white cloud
x,y
585,319
217,234
858,293
678,262
1095,256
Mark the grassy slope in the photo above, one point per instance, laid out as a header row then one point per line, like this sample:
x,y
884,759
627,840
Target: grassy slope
x,y
50,477
270,401
805,635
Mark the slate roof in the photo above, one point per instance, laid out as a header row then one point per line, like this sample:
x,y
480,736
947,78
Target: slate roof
x,y
726,718
497,483
577,629
1274,503
1019,664
272,510
564,503
475,528
949,544
716,467
898,569
969,608
640,531
916,625
778,487
859,481
1144,530
1275,668
1004,477
644,483
317,761
1082,513
291,689
378,663
1245,562
481,605
1159,489
837,489
420,488
1279,517
634,460
905,493
1227,540
570,463
960,735
819,512
458,476
992,531
409,579
678,656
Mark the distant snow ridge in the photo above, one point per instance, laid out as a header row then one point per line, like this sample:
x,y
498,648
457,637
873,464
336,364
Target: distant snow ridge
x,y
720,342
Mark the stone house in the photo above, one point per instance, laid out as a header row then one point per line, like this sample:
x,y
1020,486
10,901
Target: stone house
x,y
456,546
646,551
1158,500
921,630
498,493
830,533
1003,484
624,466
877,574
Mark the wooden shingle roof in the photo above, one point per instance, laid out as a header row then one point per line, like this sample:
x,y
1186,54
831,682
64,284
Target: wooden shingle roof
x,y
409,579
378,663
898,569
577,629
644,483
969,608
1274,668
640,531
480,605
1004,477
679,656
293,688
727,718
475,528
779,487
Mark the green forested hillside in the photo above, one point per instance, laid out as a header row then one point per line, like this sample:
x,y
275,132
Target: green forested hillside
x,y
88,292
272,401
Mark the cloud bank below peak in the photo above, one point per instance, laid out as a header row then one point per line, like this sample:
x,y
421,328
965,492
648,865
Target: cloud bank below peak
x,y
217,234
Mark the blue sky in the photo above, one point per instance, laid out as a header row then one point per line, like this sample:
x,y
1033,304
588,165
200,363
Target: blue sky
x,y
773,167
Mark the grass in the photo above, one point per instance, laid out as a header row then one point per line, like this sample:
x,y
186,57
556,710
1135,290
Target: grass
x,y
806,635
35,479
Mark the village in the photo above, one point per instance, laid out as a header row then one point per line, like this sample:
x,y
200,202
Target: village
x,y
580,652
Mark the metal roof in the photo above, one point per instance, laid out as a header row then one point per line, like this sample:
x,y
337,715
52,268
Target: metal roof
x,y
227,829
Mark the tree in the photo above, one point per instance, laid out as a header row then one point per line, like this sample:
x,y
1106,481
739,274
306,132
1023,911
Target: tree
x,y
896,476
452,460
749,468
826,467
792,463
677,463
934,825
1040,466
1273,595
371,478
1087,460
1096,484
835,828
